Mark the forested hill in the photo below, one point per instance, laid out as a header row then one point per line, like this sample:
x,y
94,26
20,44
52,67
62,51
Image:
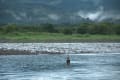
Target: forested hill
x,y
58,11
68,29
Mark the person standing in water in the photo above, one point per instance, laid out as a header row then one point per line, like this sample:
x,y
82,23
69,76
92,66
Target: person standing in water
x,y
68,60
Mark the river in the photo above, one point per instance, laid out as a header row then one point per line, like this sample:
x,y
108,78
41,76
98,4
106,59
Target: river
x,y
53,67
89,66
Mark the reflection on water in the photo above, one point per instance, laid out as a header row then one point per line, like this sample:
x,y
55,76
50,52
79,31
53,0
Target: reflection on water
x,y
53,67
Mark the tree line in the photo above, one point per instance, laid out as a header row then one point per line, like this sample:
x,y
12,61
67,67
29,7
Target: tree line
x,y
83,28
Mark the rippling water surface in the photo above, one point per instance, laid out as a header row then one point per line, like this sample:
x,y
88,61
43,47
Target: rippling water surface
x,y
53,67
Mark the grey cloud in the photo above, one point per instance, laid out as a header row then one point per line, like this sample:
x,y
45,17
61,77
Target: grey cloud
x,y
54,16
59,9
111,4
12,13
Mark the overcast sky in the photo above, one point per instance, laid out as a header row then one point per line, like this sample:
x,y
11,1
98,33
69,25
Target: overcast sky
x,y
55,9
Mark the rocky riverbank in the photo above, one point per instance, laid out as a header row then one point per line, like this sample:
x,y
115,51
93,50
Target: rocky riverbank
x,y
15,52
57,48
24,52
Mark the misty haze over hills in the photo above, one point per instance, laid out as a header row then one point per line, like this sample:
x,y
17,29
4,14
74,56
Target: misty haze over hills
x,y
58,11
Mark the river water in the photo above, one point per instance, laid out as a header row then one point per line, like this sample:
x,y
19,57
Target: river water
x,y
53,67
89,66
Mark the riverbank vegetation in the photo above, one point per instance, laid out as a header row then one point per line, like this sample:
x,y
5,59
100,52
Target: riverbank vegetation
x,y
60,33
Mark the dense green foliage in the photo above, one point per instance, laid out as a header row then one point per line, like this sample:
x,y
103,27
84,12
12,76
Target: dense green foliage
x,y
67,31
60,33
84,28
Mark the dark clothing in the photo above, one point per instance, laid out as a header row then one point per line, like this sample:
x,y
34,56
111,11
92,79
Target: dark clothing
x,y
68,60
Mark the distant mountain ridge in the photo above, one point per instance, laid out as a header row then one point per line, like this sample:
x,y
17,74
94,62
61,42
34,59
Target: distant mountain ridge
x,y
55,11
